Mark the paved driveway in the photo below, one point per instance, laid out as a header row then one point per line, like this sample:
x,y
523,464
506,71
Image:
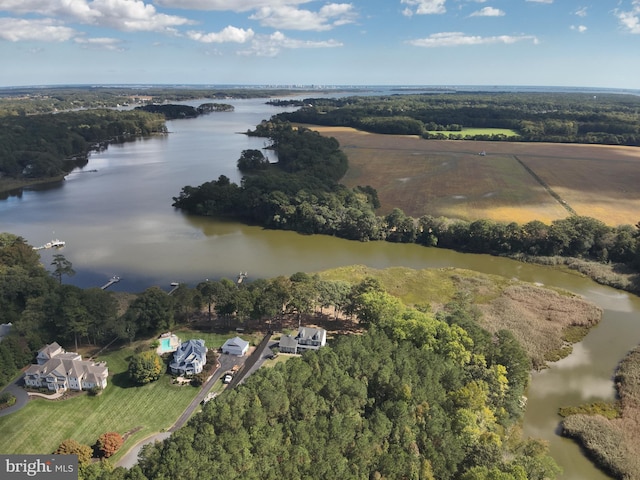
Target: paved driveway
x,y
21,397
226,362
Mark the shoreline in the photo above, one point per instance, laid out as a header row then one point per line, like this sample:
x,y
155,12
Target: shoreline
x,y
13,185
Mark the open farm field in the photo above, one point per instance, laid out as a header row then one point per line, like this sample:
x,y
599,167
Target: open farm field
x,y
514,181
470,132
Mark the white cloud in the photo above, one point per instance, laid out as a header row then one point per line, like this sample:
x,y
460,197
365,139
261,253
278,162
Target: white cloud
x,y
125,15
424,7
102,43
581,12
19,29
579,28
227,34
227,5
455,39
630,20
291,18
488,12
272,45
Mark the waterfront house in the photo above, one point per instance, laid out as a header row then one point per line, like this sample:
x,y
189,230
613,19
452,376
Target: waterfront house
x,y
189,358
307,338
59,371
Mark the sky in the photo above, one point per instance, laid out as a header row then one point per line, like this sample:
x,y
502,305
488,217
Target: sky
x,y
585,43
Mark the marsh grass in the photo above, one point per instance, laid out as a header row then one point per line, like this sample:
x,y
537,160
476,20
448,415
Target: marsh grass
x,y
545,321
612,441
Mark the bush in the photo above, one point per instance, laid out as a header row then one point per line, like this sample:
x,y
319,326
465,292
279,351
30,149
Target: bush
x,y
7,399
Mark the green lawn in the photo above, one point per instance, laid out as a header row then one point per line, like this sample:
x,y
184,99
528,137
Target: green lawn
x,y
43,424
470,132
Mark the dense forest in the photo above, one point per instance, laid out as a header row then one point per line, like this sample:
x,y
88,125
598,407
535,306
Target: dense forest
x,y
393,403
610,119
50,145
301,193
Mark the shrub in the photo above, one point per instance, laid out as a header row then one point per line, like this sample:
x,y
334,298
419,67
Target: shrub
x,y
7,399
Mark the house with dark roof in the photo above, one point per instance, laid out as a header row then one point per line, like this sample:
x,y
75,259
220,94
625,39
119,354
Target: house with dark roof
x,y
189,358
59,371
307,338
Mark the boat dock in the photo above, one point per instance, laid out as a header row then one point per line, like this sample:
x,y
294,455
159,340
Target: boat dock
x,y
112,280
174,287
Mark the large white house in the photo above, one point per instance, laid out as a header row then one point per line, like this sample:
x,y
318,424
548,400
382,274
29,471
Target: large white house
x,y
307,338
189,358
59,371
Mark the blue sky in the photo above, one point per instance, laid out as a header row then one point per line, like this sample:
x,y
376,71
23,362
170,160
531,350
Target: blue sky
x,y
591,43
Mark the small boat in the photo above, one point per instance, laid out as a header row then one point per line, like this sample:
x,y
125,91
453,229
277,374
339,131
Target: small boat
x,y
57,243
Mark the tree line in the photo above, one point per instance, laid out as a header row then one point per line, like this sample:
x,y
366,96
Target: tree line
x,y
49,145
610,119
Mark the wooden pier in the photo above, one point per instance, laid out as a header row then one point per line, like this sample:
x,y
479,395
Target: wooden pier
x,y
112,280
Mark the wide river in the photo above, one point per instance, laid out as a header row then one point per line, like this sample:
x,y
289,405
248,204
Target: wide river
x,y
116,218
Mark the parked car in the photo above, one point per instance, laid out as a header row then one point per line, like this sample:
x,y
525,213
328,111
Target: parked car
x,y
227,378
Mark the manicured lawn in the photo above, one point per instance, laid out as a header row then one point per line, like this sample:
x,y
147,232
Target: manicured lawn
x,y
43,424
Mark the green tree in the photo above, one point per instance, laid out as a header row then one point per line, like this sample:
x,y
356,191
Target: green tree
x,y
62,266
145,367
252,159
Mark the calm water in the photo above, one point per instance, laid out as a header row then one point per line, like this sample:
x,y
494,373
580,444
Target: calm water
x,y
118,220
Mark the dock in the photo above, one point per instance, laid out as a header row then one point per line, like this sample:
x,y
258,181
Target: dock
x,y
112,280
174,287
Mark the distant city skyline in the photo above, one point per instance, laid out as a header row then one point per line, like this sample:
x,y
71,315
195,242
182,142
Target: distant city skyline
x,y
305,42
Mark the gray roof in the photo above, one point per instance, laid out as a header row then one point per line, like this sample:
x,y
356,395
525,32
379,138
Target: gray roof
x,y
191,351
236,342
311,333
287,341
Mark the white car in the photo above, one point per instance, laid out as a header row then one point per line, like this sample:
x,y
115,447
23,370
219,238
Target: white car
x,y
227,378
